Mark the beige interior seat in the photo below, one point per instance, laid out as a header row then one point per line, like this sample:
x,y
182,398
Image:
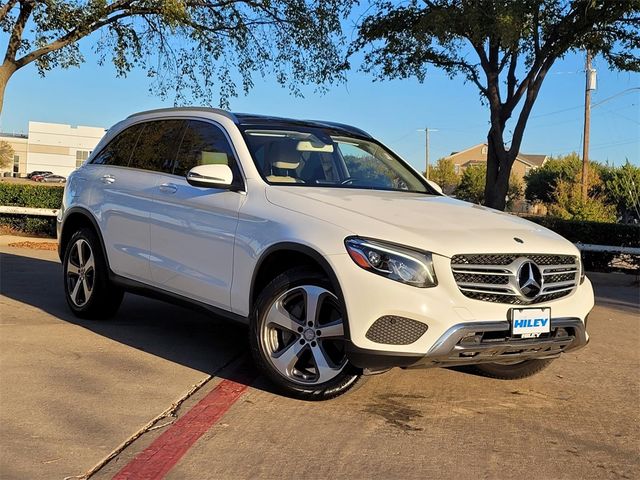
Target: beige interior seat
x,y
282,161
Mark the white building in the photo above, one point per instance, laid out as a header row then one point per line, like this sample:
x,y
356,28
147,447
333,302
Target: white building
x,y
53,147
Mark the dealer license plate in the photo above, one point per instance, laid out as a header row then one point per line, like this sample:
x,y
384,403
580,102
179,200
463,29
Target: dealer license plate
x,y
530,322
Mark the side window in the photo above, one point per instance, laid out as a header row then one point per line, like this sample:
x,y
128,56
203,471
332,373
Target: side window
x,y
204,143
118,151
365,167
158,146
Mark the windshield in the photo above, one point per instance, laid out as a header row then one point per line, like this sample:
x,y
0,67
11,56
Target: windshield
x,y
318,158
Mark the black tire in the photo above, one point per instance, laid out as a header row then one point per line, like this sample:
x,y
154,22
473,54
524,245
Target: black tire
x,y
97,298
261,332
514,371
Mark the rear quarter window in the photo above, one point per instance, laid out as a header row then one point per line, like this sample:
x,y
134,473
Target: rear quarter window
x,y
118,151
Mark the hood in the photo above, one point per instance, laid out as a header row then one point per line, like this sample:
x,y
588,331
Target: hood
x,y
438,224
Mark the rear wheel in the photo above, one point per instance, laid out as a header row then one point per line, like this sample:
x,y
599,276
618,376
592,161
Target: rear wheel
x,y
88,291
513,371
297,336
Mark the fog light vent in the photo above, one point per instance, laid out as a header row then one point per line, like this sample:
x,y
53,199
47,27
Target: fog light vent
x,y
393,330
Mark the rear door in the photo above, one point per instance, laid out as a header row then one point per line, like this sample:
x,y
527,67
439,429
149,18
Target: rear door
x,y
120,201
193,228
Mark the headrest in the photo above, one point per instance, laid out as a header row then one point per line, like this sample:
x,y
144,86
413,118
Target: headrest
x,y
283,154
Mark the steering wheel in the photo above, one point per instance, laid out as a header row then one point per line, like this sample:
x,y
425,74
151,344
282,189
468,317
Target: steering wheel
x,y
349,181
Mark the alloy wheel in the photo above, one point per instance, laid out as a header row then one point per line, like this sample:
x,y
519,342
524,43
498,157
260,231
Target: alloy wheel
x,y
80,273
303,335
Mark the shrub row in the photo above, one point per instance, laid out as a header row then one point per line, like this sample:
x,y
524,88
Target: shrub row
x,y
596,233
614,234
38,226
30,195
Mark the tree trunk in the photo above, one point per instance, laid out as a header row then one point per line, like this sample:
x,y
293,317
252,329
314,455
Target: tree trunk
x,y
6,70
498,170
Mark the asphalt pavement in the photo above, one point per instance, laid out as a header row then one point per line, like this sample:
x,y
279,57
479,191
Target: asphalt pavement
x,y
163,389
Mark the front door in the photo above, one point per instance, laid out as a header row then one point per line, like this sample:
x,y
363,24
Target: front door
x,y
192,229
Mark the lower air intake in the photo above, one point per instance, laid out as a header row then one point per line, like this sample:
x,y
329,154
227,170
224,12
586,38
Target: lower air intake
x,y
393,330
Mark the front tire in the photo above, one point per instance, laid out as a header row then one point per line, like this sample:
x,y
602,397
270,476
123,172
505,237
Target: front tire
x,y
514,371
87,289
297,336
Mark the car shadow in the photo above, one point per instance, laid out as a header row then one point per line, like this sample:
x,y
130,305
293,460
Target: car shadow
x,y
190,338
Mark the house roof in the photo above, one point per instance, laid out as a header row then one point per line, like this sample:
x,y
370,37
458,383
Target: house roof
x,y
534,159
531,159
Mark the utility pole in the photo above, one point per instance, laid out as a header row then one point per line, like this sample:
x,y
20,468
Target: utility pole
x,y
426,148
590,84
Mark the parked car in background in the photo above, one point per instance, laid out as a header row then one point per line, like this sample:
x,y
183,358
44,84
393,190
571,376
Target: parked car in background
x,y
38,173
341,258
52,179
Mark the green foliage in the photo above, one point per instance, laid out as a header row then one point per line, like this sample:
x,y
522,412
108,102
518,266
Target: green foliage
x,y
568,202
471,187
595,233
30,195
6,154
190,49
444,174
622,189
40,226
542,181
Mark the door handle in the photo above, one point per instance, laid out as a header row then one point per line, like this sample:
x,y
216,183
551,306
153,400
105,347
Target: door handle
x,y
108,179
168,188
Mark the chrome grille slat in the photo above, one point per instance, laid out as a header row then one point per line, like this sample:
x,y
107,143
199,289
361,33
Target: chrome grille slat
x,y
493,277
491,292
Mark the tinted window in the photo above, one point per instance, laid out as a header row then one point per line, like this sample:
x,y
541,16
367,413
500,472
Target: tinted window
x,y
204,143
118,151
158,146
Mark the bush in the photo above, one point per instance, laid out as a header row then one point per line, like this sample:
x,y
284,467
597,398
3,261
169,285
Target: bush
x,y
30,225
30,195
597,233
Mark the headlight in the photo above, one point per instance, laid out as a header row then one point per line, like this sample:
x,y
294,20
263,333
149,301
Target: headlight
x,y
392,261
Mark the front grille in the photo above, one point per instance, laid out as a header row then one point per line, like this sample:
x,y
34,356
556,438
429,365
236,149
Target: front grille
x,y
493,277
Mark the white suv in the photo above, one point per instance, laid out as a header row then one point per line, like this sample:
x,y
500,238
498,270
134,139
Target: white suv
x,y
340,257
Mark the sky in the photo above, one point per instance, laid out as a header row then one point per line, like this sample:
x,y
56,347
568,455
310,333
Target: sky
x,y
396,112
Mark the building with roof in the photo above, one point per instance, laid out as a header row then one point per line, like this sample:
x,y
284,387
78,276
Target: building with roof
x,y
53,147
477,155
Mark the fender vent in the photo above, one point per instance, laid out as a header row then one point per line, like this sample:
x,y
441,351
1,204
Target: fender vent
x,y
392,330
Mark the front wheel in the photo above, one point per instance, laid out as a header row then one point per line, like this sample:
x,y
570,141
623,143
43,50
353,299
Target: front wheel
x,y
513,371
297,336
87,288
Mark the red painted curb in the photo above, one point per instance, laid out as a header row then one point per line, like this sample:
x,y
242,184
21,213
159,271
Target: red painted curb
x,y
157,459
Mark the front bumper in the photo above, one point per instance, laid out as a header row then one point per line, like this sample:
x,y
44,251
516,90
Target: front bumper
x,y
479,342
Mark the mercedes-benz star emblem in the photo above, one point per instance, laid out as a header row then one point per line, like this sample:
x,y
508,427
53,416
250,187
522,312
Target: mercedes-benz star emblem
x,y
529,280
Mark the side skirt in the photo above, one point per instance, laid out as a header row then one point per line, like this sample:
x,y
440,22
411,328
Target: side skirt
x,y
139,288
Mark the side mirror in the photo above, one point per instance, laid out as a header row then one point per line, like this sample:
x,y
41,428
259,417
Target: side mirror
x,y
211,176
435,186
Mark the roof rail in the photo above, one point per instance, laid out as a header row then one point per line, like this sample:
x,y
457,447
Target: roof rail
x,y
342,126
219,111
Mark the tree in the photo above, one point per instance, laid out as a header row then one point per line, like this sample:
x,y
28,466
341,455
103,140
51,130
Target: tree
x,y
503,47
471,187
6,154
444,174
542,181
184,45
622,189
569,204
